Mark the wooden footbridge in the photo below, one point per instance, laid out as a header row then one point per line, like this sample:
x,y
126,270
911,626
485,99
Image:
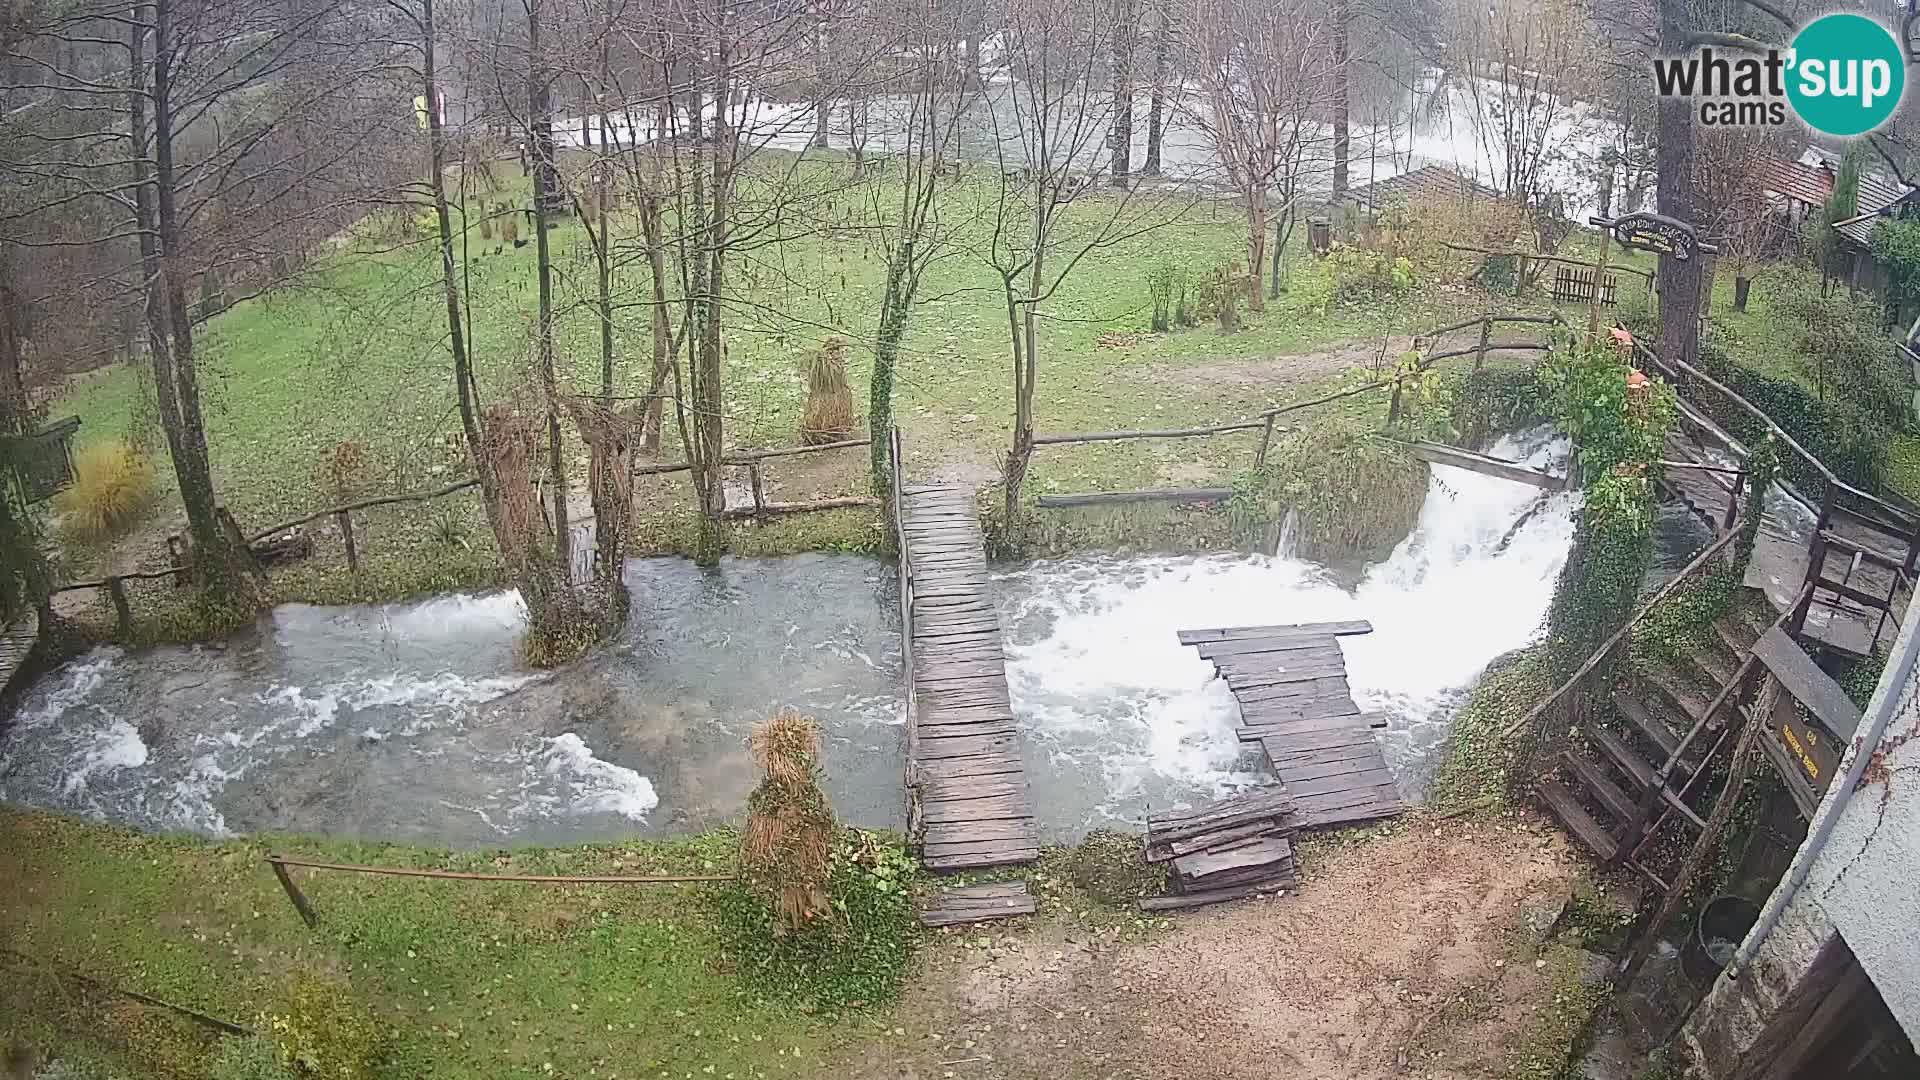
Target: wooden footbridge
x,y
966,784
1291,684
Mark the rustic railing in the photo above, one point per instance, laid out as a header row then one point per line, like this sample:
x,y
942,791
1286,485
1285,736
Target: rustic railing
x,y
114,585
755,461
1547,728
1836,497
311,917
896,466
1733,695
1265,422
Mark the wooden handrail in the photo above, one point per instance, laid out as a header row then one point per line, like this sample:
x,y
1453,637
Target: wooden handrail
x,y
382,500
1599,654
538,879
1819,466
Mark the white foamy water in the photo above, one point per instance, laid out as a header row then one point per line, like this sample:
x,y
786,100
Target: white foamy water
x,y
597,786
1118,717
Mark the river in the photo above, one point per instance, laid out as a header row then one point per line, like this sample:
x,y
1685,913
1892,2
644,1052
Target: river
x,y
415,722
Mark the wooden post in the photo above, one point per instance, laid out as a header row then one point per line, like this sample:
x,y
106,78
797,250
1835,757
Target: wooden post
x,y
1266,443
1599,276
344,519
293,893
759,490
122,613
1733,501
1709,837
1486,331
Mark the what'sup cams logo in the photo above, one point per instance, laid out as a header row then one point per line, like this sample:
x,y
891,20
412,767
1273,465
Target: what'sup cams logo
x,y
1843,75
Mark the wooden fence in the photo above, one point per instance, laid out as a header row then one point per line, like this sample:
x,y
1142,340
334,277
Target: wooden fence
x,y
115,588
311,917
1576,286
1267,422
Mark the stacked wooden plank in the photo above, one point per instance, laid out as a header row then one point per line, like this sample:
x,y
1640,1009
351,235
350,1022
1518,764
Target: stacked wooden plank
x,y
964,774
1291,683
978,903
1225,850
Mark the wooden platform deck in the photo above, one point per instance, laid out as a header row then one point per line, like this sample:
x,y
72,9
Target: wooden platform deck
x,y
966,784
1779,565
1291,683
978,903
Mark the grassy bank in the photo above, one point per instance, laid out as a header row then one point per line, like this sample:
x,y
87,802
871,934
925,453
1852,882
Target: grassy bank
x,y
476,979
353,356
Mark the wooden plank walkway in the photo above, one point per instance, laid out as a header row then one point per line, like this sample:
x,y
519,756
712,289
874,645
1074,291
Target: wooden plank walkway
x,y
978,903
16,641
1291,683
965,779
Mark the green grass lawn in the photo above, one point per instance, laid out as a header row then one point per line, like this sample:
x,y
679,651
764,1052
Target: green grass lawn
x,y
356,352
477,979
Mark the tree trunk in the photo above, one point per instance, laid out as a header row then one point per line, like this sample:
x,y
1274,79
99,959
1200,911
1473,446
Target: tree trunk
x,y
227,572
463,382
1156,103
544,197
1256,245
1282,229
1679,281
654,235
710,201
821,107
1341,142
1121,136
1741,286
886,357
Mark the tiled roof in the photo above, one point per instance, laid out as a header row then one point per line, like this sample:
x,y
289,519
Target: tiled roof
x,y
1427,183
1810,184
1877,200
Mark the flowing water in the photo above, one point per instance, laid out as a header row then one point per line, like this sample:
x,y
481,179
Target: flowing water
x,y
1117,716
416,722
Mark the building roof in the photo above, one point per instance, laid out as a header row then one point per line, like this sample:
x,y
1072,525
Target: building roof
x,y
1878,199
1810,184
1431,182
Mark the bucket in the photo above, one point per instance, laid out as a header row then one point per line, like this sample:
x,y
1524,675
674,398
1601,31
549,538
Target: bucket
x,y
1722,925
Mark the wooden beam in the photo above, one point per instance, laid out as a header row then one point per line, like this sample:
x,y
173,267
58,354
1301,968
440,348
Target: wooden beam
x,y
1806,683
1436,454
1286,630
1114,498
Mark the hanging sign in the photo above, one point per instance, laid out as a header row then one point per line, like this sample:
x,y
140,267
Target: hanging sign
x,y
1656,233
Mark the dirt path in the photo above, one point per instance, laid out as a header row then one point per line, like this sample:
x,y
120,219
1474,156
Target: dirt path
x,y
1391,962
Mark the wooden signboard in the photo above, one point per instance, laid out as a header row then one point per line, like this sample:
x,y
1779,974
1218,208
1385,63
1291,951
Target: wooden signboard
x,y
1812,749
1656,233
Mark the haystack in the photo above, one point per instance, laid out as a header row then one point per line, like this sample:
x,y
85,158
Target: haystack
x,y
829,414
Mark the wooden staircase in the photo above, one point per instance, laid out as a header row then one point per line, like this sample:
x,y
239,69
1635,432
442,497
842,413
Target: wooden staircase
x,y
1604,792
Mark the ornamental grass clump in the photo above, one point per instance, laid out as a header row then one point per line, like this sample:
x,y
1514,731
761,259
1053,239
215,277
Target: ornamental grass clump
x,y
788,844
829,412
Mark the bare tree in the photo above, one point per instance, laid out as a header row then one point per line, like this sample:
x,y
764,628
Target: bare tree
x,y
1260,73
935,104
1043,222
1518,62
199,155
